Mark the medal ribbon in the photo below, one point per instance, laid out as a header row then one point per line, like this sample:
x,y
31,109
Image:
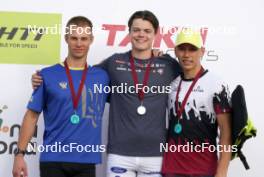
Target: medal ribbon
x,y
75,99
180,111
135,78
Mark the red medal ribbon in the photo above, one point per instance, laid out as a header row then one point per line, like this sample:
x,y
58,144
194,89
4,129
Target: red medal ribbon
x,y
75,99
135,78
180,111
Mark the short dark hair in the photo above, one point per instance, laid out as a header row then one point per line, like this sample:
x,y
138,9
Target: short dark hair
x,y
80,21
145,15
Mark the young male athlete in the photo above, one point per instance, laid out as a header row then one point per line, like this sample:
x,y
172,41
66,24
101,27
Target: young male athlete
x,y
72,111
198,106
137,121
137,118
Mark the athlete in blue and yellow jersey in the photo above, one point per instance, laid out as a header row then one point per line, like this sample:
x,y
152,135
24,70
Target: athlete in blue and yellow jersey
x,y
72,111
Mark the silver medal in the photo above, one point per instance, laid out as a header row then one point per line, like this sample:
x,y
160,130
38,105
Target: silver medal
x,y
141,110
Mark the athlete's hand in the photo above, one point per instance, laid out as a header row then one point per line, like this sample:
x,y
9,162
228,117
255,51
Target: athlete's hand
x,y
36,80
157,52
20,167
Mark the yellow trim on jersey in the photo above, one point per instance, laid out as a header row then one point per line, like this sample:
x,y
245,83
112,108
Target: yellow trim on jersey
x,y
72,68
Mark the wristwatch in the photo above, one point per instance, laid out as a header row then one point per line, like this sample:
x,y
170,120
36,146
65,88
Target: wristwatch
x,y
19,151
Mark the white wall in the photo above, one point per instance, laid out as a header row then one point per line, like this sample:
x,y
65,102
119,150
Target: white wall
x,y
240,59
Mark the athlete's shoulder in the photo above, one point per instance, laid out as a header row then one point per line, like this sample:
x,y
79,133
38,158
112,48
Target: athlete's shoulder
x,y
174,84
213,77
99,73
108,62
51,69
97,70
215,81
171,64
119,56
167,58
